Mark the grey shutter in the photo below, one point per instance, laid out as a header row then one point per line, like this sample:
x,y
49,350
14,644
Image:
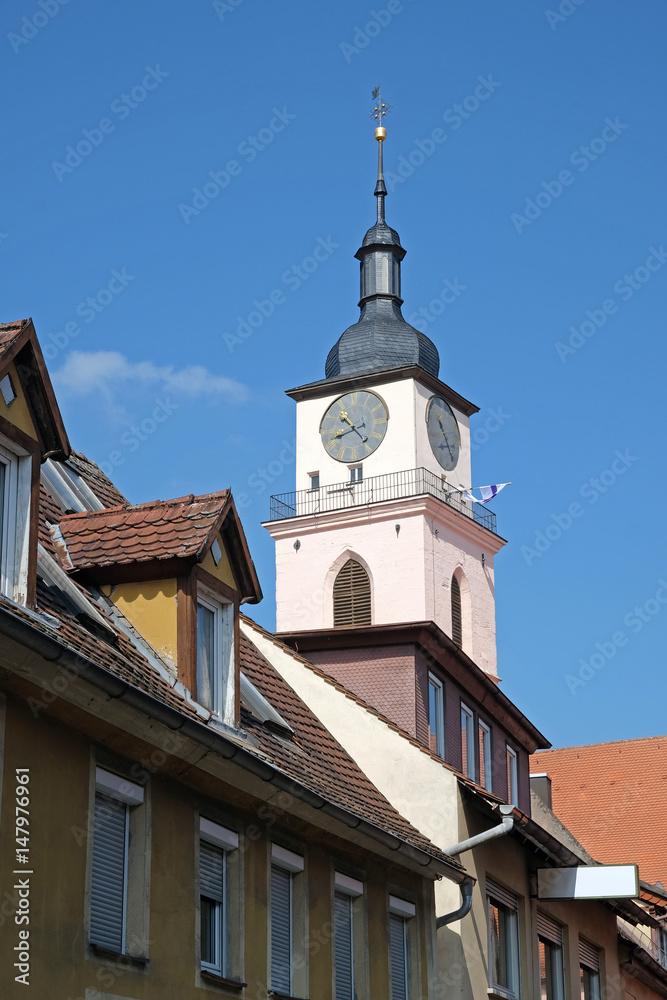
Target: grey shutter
x,y
343,947
549,929
589,955
500,894
457,622
352,596
398,958
109,878
281,930
211,871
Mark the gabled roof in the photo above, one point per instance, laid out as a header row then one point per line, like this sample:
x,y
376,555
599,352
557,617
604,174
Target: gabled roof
x,y
18,343
162,536
613,797
311,764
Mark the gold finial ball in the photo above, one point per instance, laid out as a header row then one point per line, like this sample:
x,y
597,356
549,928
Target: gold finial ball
x,y
380,133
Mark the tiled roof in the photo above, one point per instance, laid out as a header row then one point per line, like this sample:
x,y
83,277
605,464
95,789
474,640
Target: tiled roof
x,y
314,759
162,529
101,486
613,797
9,333
317,759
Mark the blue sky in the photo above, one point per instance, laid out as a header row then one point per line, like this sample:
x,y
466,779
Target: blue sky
x,y
544,201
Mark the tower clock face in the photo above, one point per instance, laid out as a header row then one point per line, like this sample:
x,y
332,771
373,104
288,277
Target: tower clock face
x,y
443,432
354,426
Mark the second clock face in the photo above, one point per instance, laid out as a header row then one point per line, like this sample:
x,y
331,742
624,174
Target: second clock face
x,y
443,432
354,426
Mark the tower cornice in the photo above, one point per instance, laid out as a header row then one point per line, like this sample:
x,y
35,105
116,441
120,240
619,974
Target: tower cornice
x,y
327,387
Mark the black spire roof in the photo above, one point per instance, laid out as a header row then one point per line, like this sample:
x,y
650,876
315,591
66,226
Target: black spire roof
x,y
381,339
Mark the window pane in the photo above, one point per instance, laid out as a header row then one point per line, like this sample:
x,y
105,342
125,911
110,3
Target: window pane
x,y
281,930
467,743
590,983
436,718
485,756
398,957
344,949
512,782
503,947
109,876
205,656
210,955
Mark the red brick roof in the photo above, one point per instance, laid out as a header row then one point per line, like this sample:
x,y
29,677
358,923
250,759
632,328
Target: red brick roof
x,y
162,529
9,332
613,797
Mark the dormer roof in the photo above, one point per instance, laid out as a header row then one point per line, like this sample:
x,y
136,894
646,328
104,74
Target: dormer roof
x,y
19,344
155,540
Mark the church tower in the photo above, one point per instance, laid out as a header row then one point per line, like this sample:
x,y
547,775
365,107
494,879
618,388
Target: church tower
x,y
376,532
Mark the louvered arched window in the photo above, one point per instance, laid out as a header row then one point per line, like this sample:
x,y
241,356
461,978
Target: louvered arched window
x,y
352,596
457,627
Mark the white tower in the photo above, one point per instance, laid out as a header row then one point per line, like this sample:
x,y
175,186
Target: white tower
x,y
375,533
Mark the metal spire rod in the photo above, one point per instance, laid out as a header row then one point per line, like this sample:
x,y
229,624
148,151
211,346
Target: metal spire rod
x,y
380,109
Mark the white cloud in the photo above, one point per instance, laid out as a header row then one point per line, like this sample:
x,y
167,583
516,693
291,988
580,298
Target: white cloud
x,y
103,372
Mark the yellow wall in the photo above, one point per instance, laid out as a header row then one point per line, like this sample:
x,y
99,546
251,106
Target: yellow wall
x,y
151,607
223,571
17,413
61,766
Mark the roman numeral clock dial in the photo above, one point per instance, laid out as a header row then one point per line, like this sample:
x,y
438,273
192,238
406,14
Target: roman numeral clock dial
x,y
354,426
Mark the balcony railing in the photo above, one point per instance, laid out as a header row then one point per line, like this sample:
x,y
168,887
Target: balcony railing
x,y
392,486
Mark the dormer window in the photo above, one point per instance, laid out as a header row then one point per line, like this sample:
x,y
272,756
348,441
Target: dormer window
x,y
215,655
15,493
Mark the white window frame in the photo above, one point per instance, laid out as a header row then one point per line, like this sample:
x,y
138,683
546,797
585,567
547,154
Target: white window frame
x,y
505,901
223,696
312,476
469,716
436,687
15,525
403,910
353,890
512,768
225,840
109,785
356,473
292,864
485,755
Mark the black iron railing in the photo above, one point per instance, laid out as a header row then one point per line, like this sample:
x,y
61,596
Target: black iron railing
x,y
392,486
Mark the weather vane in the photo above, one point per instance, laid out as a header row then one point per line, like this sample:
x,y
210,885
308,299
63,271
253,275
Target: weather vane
x,y
380,109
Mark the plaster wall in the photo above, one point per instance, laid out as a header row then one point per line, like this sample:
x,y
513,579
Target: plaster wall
x,y
223,571
410,570
405,445
151,607
18,412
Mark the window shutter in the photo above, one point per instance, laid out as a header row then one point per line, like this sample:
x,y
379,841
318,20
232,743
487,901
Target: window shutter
x,y
344,954
398,957
457,628
352,596
109,878
211,871
500,894
589,955
549,929
281,930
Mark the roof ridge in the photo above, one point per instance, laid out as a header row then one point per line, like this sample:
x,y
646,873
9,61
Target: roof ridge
x,y
603,743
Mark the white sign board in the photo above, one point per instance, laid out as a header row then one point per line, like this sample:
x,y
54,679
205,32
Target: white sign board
x,y
585,882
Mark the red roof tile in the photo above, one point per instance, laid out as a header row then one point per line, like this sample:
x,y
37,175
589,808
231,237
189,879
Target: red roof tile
x,y
613,797
9,332
162,529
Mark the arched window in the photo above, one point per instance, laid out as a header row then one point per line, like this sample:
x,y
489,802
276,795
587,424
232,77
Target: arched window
x,y
457,626
352,596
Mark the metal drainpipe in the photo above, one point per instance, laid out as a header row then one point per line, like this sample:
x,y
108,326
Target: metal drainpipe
x,y
464,908
506,826
503,828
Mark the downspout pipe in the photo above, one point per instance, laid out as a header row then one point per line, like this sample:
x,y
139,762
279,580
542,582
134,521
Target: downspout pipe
x,y
464,908
507,825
